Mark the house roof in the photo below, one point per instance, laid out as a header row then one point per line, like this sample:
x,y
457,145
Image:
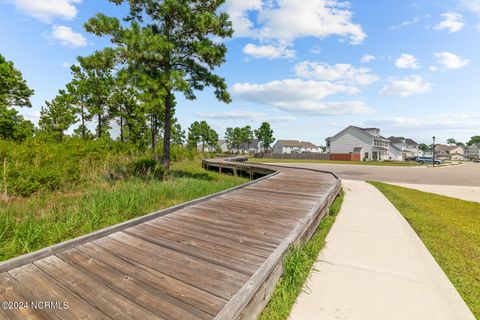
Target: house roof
x,y
363,130
410,141
446,147
251,145
402,139
296,143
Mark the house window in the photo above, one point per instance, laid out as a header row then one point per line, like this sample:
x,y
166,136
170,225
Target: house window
x,y
366,155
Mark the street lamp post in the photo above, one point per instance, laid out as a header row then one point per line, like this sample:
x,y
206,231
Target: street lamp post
x,y
433,151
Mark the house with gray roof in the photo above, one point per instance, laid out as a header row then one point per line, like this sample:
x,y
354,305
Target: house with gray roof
x,y
472,152
295,146
402,148
367,141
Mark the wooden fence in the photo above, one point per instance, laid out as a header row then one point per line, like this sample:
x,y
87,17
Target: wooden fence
x,y
306,156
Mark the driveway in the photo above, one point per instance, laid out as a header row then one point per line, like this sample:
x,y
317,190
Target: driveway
x,y
460,175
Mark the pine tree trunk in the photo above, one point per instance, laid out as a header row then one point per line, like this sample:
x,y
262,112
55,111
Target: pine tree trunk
x,y
99,128
121,129
167,132
153,125
83,123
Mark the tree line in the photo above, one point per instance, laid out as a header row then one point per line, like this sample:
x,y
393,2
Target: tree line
x,y
159,49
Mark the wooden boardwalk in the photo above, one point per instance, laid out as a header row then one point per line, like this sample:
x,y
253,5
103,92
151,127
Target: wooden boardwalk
x,y
217,257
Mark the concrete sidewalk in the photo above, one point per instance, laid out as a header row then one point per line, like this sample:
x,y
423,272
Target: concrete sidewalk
x,y
375,267
460,192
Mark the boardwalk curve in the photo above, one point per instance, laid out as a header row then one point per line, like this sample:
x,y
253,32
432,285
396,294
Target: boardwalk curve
x,y
217,257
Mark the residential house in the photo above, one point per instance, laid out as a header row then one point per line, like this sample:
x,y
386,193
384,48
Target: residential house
x,y
448,152
295,146
401,148
364,143
472,152
222,144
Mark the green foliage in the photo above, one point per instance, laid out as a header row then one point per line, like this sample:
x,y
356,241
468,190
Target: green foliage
x,y
51,217
201,132
423,147
145,167
451,141
14,92
39,164
165,47
297,265
450,229
13,88
264,135
58,115
473,140
13,126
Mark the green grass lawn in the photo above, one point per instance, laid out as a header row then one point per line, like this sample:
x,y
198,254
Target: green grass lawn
x,y
450,229
46,218
366,163
297,265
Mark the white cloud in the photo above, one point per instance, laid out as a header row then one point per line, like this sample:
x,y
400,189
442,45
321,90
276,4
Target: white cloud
x,y
233,115
407,61
268,51
342,72
321,108
413,21
439,123
300,96
405,87
433,68
67,37
472,5
47,10
288,90
453,22
450,60
367,58
286,20
246,115
66,64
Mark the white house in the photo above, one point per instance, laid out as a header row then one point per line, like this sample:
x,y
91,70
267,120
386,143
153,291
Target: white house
x,y
401,148
472,152
295,146
366,141
222,144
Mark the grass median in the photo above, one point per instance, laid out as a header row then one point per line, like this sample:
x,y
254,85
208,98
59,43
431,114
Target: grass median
x,y
450,229
297,265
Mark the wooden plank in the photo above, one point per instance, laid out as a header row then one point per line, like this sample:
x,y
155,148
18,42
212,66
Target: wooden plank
x,y
176,258
9,292
236,305
241,243
109,301
219,256
156,301
204,250
48,251
193,277
189,294
36,286
254,235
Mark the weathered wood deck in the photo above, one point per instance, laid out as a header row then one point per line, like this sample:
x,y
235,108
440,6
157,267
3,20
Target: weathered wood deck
x,y
217,257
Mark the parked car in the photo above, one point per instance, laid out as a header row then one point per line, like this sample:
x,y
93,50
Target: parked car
x,y
423,160
408,159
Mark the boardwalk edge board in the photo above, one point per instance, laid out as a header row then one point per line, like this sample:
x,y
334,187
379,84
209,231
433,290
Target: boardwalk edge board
x,y
247,298
62,246
250,300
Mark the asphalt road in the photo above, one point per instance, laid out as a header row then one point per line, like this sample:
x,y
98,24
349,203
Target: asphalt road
x,y
460,175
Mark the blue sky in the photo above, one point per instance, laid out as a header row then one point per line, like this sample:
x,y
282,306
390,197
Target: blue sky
x,y
309,67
